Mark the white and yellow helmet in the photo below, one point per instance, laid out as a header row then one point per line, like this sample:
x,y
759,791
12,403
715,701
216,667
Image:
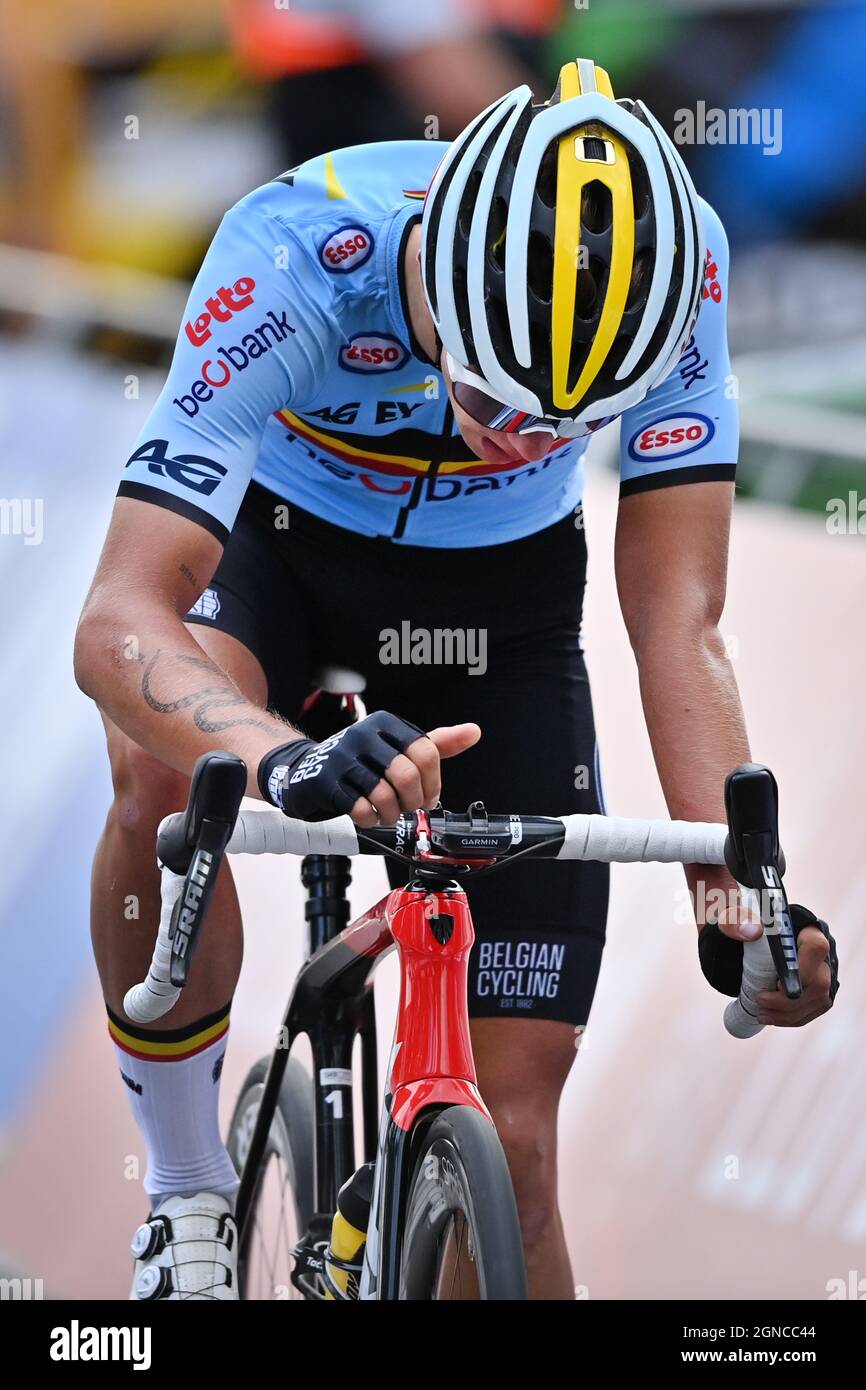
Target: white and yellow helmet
x,y
563,251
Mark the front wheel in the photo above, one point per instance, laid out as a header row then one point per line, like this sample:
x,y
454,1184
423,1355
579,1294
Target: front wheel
x,y
461,1235
282,1205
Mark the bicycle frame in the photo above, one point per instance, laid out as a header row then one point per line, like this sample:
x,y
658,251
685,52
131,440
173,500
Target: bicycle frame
x,y
431,1063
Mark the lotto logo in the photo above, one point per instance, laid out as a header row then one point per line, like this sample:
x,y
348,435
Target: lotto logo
x,y
673,438
346,249
220,307
712,289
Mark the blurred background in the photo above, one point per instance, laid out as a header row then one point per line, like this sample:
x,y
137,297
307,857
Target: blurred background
x,y
125,132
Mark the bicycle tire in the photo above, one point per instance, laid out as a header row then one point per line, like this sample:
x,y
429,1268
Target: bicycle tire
x,y
461,1174
289,1149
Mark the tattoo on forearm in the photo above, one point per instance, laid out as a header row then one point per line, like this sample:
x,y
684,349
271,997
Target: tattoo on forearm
x,y
207,702
189,576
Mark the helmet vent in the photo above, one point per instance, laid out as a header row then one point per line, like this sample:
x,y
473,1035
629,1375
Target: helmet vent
x,y
639,285
496,233
591,285
540,267
640,186
539,347
468,201
461,304
497,321
596,209
580,349
545,184
586,295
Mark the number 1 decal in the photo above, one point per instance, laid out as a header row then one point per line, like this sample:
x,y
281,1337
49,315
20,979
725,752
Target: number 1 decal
x,y
335,1076
335,1098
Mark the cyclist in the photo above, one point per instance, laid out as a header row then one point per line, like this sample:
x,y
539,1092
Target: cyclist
x,y
369,445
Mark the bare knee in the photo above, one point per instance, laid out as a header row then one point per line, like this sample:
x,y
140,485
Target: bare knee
x,y
145,789
528,1137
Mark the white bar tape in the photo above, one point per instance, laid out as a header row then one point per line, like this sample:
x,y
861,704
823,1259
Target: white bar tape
x,y
270,832
608,839
759,973
153,998
619,840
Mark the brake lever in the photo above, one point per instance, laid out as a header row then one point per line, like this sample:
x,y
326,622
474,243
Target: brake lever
x,y
754,857
196,845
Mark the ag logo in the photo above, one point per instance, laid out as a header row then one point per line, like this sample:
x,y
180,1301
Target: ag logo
x,y
191,470
373,352
673,438
346,249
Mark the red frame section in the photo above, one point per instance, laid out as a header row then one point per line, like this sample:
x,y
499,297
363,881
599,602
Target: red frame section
x,y
431,1060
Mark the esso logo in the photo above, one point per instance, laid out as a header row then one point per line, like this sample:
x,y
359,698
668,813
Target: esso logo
x,y
346,249
670,439
373,352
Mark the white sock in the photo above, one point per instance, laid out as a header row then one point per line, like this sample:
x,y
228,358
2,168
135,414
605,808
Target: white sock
x,y
172,1079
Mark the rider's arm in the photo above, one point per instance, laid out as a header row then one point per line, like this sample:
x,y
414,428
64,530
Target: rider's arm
x,y
671,563
253,338
136,659
678,457
671,549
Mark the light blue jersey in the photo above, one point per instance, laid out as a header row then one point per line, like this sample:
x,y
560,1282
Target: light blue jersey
x,y
296,366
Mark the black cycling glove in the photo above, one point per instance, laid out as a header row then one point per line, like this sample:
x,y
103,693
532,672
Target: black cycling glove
x,y
313,781
721,956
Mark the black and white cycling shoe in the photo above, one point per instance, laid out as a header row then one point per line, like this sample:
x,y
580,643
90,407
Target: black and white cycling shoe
x,y
187,1250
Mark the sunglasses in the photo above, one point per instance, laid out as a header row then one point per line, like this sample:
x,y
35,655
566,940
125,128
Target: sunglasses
x,y
482,405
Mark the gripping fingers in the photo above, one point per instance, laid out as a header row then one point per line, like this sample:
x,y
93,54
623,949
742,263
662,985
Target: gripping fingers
x,y
775,1008
404,779
385,801
425,756
403,787
364,813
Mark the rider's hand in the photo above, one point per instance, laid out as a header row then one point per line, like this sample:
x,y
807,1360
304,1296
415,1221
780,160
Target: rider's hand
x,y
413,780
721,956
815,952
374,770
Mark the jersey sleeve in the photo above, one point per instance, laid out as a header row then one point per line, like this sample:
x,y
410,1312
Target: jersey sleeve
x,y
686,430
253,340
